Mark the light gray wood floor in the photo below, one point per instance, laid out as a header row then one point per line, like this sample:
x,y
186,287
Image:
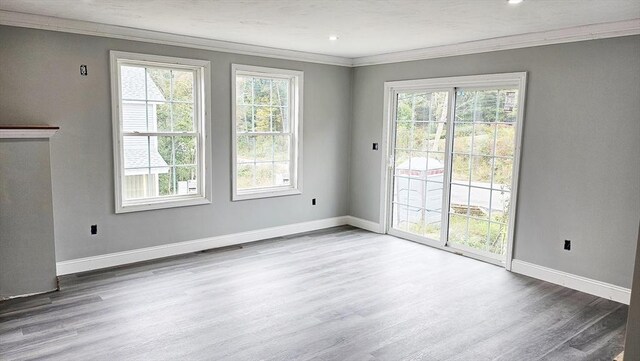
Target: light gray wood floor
x,y
336,294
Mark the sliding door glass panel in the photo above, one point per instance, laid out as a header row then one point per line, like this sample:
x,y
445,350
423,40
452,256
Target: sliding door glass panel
x,y
420,126
483,148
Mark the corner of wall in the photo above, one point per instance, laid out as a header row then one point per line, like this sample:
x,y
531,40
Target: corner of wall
x,y
350,157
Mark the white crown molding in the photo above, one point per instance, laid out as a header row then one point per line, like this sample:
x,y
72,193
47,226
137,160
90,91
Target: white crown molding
x,y
583,284
578,33
11,18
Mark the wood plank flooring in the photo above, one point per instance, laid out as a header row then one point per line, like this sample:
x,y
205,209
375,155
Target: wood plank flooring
x,y
336,294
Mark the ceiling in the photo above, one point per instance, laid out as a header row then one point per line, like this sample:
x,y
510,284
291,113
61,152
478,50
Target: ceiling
x,y
364,27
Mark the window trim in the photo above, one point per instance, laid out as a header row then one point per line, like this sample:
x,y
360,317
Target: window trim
x,y
202,105
295,112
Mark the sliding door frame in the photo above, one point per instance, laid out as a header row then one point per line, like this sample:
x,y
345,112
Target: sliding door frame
x,y
450,84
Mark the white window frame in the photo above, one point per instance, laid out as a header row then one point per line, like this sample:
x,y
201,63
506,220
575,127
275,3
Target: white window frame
x,y
295,117
517,80
202,114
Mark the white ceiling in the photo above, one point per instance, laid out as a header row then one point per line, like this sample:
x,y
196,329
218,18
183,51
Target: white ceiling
x,y
364,27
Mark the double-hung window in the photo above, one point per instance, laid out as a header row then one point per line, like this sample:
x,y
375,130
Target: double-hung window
x,y
267,130
160,117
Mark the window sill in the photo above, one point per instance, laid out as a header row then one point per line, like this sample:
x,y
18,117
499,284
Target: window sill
x,y
265,193
162,204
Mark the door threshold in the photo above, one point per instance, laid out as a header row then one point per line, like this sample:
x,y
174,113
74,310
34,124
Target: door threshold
x,y
425,242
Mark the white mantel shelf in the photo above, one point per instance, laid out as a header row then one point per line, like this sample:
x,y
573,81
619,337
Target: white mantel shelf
x,y
27,131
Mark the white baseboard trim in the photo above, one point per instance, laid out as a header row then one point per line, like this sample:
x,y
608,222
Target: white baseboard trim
x,y
364,224
583,284
173,249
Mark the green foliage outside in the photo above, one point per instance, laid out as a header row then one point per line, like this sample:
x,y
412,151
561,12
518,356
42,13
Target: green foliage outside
x,y
262,119
480,167
484,131
421,129
483,234
175,115
420,123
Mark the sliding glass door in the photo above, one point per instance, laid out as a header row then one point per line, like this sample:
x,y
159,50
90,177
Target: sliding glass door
x,y
484,130
453,162
419,159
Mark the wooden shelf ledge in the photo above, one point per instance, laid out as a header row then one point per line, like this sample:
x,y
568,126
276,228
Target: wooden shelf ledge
x,y
27,131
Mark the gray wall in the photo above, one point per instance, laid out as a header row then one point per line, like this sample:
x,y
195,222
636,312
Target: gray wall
x,y
39,73
580,176
580,170
631,344
27,259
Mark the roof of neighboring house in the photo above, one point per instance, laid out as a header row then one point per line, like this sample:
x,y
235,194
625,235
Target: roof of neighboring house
x,y
135,157
133,85
420,163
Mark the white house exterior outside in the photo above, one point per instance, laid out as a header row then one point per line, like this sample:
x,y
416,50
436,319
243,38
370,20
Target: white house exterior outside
x,y
142,161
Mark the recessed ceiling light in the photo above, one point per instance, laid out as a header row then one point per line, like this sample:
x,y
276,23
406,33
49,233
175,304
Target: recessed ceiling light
x,y
333,37
513,2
